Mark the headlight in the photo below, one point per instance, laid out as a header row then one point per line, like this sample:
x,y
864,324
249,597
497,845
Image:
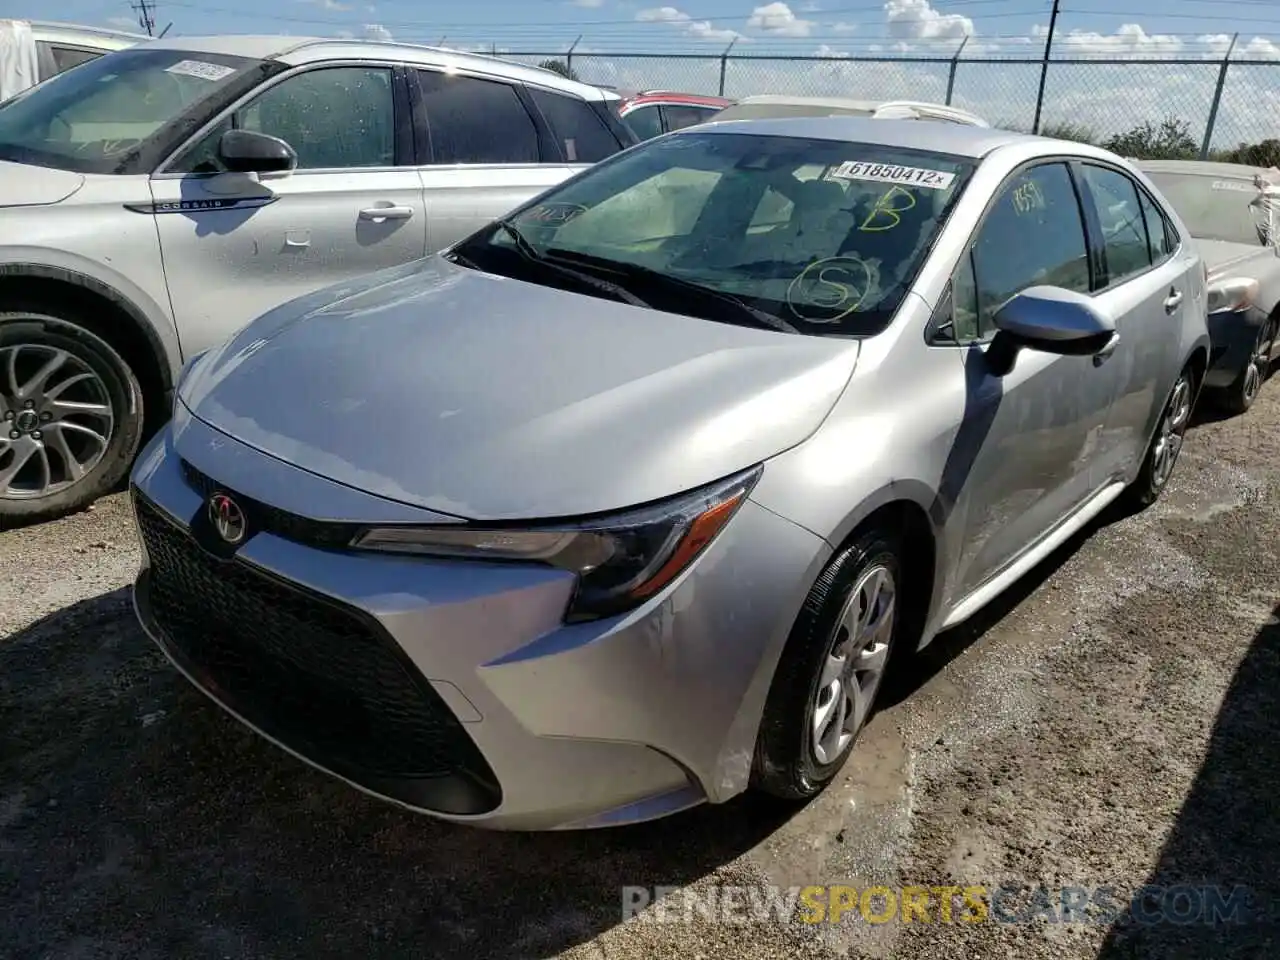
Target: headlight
x,y
620,560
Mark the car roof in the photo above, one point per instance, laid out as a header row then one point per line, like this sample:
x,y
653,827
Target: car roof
x,y
300,50
1200,168
954,138
674,97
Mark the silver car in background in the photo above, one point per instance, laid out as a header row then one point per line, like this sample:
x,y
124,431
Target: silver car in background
x,y
157,199
626,503
1233,213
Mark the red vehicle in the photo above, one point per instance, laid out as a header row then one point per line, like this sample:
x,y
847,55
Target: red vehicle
x,y
654,112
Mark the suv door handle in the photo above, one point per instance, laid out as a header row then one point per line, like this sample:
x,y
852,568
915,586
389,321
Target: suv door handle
x,y
378,214
1105,354
1172,301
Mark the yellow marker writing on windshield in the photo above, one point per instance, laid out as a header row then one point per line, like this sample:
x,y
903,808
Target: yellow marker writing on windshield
x,y
836,283
887,213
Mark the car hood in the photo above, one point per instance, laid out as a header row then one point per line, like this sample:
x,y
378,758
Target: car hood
x,y
1220,256
25,185
490,398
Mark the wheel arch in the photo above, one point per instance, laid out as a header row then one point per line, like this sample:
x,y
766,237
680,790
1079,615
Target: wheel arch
x,y
106,312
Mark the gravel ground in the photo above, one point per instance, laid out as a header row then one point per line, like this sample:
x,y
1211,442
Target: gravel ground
x,y
1111,725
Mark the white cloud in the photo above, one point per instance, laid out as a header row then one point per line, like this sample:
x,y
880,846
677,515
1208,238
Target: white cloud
x,y
122,23
778,19
1261,48
1130,38
327,4
375,31
918,20
843,28
588,4
701,29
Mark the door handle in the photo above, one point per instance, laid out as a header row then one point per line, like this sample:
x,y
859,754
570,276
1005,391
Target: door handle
x,y
378,214
1173,300
1107,351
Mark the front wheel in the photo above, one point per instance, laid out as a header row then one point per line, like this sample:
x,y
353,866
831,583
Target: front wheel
x,y
831,669
70,417
1162,453
1239,397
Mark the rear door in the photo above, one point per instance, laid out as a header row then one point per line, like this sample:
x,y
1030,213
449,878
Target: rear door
x,y
485,145
1143,284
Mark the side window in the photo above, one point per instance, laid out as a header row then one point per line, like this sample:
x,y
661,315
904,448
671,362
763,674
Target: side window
x,y
334,117
964,302
678,117
645,121
1033,235
1158,229
476,121
64,58
582,134
1115,197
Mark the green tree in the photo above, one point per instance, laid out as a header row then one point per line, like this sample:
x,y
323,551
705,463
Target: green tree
x,y
1067,130
560,67
1170,140
1264,154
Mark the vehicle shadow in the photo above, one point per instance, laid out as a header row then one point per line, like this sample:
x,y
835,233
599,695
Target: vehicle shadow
x,y
138,820
1223,852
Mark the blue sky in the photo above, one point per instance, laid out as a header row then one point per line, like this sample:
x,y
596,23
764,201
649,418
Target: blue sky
x,y
797,26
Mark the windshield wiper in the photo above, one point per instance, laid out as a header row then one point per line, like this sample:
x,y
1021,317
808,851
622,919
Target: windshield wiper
x,y
658,278
534,255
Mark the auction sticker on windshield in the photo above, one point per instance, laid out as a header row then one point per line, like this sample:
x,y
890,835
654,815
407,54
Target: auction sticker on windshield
x,y
893,173
198,68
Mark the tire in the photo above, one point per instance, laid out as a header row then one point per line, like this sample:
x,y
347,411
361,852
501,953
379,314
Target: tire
x,y
1239,397
791,761
1162,452
63,422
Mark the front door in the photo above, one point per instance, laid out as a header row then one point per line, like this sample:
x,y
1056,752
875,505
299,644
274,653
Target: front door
x,y
235,246
1033,428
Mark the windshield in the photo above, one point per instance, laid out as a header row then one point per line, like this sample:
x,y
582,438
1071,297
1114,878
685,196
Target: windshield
x,y
92,118
1214,208
826,236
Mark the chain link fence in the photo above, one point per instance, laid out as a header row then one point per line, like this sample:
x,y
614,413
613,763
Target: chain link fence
x,y
1091,98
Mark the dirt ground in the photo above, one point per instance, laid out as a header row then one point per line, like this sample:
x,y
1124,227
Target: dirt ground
x,y
1113,724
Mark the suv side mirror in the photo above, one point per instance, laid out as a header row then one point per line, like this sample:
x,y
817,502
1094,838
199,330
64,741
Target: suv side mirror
x,y
245,151
1051,320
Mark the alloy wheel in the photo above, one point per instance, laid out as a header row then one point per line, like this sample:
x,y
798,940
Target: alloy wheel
x,y
854,666
1259,364
1173,424
56,420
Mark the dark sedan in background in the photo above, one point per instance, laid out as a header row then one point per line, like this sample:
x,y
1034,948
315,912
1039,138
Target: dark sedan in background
x,y
1233,212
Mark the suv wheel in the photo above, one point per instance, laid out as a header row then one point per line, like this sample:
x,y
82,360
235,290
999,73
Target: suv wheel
x,y
70,417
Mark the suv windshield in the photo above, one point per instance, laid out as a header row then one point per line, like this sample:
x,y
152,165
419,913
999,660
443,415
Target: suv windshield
x,y
824,236
94,118
1214,208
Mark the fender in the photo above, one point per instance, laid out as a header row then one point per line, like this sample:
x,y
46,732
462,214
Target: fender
x,y
151,318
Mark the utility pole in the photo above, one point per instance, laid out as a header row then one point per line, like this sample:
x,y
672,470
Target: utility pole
x,y
1044,66
146,16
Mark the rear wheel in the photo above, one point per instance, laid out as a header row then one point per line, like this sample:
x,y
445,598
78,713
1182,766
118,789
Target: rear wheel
x,y
1162,454
1239,397
70,417
831,670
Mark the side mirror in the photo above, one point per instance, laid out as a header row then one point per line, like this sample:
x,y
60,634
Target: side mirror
x,y
245,151
1051,320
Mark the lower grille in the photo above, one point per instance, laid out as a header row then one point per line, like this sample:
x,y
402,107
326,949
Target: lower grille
x,y
321,678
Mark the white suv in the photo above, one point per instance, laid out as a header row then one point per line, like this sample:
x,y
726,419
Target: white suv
x,y
155,200
32,51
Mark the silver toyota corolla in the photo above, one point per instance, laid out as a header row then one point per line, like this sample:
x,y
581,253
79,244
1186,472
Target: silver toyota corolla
x,y
623,504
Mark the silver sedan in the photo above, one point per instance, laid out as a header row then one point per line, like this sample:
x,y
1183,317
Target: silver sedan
x,y
627,502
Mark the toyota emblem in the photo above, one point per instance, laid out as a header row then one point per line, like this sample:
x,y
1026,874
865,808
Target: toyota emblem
x,y
227,518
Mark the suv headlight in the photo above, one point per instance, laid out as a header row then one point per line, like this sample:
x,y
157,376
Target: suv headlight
x,y
620,560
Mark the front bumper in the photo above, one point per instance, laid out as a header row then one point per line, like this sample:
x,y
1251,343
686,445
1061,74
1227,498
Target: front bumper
x,y
1233,335
451,688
